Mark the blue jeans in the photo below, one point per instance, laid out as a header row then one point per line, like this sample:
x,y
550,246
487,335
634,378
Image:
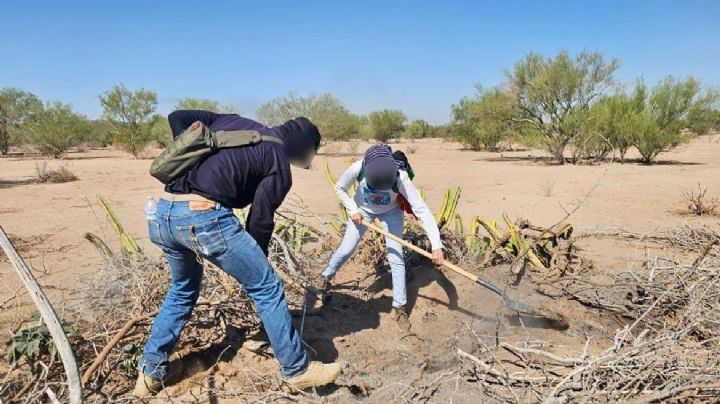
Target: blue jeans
x,y
391,221
216,235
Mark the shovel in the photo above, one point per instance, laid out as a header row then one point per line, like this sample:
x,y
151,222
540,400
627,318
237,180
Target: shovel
x,y
510,303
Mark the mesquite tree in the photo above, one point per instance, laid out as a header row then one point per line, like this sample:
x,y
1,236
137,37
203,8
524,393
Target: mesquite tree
x,y
130,113
333,120
17,108
554,95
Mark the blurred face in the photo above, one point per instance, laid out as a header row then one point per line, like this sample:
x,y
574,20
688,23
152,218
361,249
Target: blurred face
x,y
381,174
304,161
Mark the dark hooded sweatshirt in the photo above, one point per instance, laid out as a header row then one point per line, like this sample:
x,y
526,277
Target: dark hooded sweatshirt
x,y
256,175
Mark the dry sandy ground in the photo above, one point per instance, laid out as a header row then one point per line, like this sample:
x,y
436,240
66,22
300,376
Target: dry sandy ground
x,y
644,199
635,197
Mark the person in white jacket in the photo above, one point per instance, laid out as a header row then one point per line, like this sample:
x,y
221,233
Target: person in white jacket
x,y
379,182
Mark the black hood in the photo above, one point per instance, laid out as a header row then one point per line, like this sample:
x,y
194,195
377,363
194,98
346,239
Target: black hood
x,y
301,138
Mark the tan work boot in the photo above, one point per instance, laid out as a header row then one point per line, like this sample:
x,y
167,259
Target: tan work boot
x,y
401,317
146,386
317,374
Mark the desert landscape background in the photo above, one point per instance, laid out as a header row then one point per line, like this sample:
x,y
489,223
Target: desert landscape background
x,y
48,222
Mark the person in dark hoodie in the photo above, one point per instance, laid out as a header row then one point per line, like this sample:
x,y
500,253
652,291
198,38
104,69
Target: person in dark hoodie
x,y
196,220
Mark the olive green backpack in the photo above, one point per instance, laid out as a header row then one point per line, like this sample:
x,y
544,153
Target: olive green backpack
x,y
197,142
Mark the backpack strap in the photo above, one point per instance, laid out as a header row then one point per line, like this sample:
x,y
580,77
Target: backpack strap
x,y
236,138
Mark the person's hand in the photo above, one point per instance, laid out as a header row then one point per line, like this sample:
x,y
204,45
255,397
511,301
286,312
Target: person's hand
x,y
437,257
357,218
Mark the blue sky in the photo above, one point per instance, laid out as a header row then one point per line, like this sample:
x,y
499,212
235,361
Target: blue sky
x,y
417,56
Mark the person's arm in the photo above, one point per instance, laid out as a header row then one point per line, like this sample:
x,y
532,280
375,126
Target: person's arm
x,y
343,185
268,196
182,119
421,211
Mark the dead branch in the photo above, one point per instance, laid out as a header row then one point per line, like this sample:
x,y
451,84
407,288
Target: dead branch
x,y
49,317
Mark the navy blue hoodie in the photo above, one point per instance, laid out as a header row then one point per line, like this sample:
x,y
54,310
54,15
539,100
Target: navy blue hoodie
x,y
256,175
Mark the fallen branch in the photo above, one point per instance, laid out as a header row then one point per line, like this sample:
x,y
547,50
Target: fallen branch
x,y
119,336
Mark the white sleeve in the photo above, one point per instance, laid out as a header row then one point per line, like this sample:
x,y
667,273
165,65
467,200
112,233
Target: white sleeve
x,y
420,209
343,184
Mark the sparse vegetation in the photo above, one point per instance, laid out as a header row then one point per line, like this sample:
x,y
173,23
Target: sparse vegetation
x,y
130,113
482,122
207,105
334,121
554,95
56,129
698,202
417,129
44,175
547,186
386,124
17,108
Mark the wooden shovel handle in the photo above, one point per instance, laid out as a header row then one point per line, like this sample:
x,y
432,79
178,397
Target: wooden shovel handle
x,y
419,250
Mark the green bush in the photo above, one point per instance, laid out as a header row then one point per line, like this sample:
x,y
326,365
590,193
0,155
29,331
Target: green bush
x,y
17,108
56,129
669,107
206,105
554,94
129,113
482,122
611,126
417,129
386,124
333,120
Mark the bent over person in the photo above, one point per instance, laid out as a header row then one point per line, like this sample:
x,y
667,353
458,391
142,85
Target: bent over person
x,y
196,221
383,189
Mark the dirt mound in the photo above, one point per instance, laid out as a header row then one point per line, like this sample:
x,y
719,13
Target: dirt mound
x,y
383,363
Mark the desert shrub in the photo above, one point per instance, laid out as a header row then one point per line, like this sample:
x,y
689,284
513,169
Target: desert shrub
x,y
651,140
417,129
386,124
411,148
485,120
553,95
206,104
547,186
698,203
159,130
439,131
44,175
17,108
129,113
56,129
611,125
666,108
333,120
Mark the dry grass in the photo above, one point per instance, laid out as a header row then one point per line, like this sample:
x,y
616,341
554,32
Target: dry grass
x,y
45,175
546,187
698,202
667,351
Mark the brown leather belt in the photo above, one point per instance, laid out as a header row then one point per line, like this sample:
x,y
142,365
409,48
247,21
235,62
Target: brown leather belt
x,y
196,202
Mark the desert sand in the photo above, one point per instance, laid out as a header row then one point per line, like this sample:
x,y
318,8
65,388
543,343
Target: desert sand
x,y
50,220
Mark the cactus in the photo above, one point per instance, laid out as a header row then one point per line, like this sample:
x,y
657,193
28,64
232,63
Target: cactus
x,y
472,232
520,245
328,173
443,206
491,227
459,230
449,204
